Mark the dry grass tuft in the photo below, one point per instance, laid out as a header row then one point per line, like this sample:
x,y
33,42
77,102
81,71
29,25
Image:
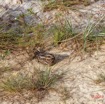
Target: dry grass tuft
x,y
100,79
62,4
39,82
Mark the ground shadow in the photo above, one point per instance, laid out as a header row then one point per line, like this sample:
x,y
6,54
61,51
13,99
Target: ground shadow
x,y
60,57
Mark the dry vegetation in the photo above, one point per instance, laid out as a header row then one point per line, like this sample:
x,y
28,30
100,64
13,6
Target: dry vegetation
x,y
27,37
63,4
39,82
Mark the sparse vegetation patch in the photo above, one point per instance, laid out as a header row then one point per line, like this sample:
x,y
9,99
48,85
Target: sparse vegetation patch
x,y
62,4
39,81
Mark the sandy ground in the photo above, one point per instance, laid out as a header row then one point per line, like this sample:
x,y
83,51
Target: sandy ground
x,y
79,80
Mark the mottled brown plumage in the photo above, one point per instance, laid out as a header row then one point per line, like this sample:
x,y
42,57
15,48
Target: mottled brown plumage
x,y
44,57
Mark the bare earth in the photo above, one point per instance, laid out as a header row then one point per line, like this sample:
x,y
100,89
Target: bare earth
x,y
79,80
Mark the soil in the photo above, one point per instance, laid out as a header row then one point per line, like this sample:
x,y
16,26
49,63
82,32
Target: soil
x,y
81,74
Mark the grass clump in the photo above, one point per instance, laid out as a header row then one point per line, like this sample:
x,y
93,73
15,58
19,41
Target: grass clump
x,y
100,79
55,4
88,40
62,32
39,82
91,36
16,83
21,37
46,80
4,54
